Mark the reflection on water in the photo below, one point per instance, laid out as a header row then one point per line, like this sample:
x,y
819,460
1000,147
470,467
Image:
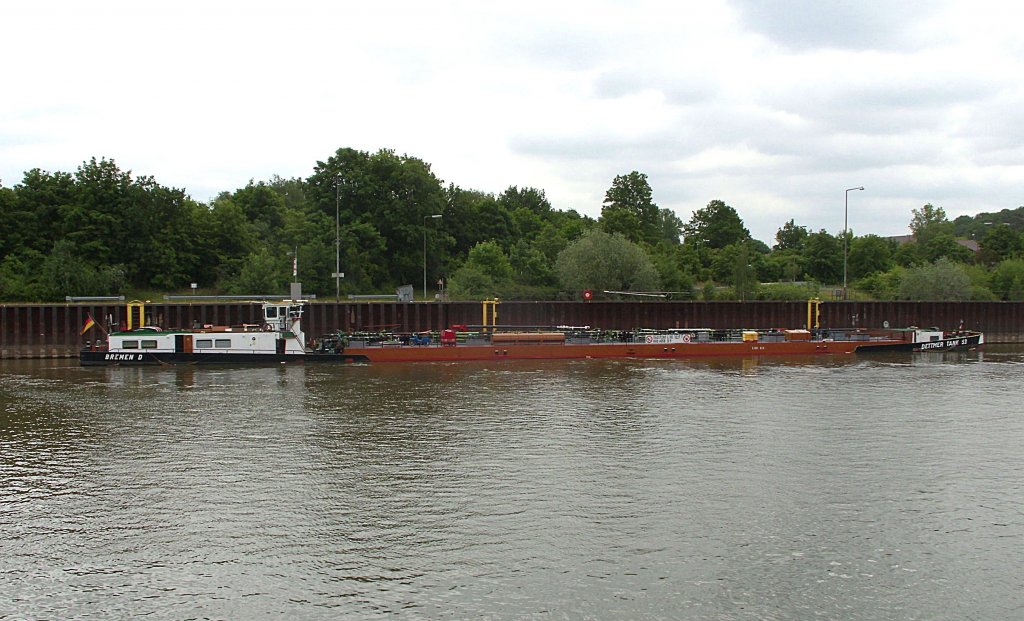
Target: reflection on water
x,y
840,487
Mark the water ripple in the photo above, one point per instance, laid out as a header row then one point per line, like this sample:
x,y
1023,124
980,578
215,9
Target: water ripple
x,y
736,489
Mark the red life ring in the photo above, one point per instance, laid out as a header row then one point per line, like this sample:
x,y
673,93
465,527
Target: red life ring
x,y
686,338
588,294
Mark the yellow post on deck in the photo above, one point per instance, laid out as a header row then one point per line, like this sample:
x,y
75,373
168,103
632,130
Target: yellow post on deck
x,y
813,313
490,309
132,306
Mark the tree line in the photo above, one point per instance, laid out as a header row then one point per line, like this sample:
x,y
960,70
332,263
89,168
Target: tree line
x,y
384,217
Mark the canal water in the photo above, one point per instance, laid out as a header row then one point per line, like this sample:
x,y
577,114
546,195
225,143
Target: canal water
x,y
888,487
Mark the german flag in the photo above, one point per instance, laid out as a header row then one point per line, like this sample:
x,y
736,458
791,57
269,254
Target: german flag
x,y
89,322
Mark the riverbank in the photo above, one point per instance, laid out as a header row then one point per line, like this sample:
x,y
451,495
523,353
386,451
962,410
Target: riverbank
x,y
55,330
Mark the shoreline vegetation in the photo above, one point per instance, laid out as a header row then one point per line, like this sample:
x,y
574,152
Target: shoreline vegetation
x,y
385,220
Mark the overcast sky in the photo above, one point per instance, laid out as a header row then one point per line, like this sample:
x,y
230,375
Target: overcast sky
x,y
774,107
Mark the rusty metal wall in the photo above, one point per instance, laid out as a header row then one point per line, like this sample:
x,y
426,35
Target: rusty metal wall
x,y
53,330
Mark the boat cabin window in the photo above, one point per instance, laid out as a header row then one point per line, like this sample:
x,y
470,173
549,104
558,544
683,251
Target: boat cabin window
x,y
149,344
204,343
129,344
225,343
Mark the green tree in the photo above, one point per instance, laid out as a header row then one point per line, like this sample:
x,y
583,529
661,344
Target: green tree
x,y
487,271
789,291
293,191
868,255
629,203
942,280
465,208
391,193
715,226
744,276
63,272
35,219
617,221
106,218
100,221
929,221
530,199
823,257
671,227
945,246
1008,279
791,237
530,266
910,254
725,262
232,237
20,276
10,222
550,241
692,261
261,273
168,252
489,258
977,226
601,261
1000,242
783,265
668,260
364,255
263,207
526,224
469,282
981,283
494,223
883,285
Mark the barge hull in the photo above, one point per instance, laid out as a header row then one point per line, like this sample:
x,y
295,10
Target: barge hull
x,y
970,341
512,351
105,358
436,353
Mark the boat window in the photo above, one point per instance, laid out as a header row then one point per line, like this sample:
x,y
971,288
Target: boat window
x,y
225,343
129,344
271,312
149,344
204,343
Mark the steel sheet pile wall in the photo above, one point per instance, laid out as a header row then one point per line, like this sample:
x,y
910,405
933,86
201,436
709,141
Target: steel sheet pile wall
x,y
657,315
1000,321
47,331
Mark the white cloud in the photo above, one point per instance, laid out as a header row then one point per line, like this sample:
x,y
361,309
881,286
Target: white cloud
x,y
774,108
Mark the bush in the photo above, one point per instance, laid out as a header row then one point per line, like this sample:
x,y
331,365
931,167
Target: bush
x,y
942,280
884,285
469,282
784,291
1008,279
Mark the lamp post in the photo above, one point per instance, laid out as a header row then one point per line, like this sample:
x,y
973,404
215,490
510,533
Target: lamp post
x,y
337,238
425,218
846,213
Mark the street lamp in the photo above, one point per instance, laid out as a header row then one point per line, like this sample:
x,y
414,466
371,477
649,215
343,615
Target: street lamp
x,y
425,218
337,238
846,212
